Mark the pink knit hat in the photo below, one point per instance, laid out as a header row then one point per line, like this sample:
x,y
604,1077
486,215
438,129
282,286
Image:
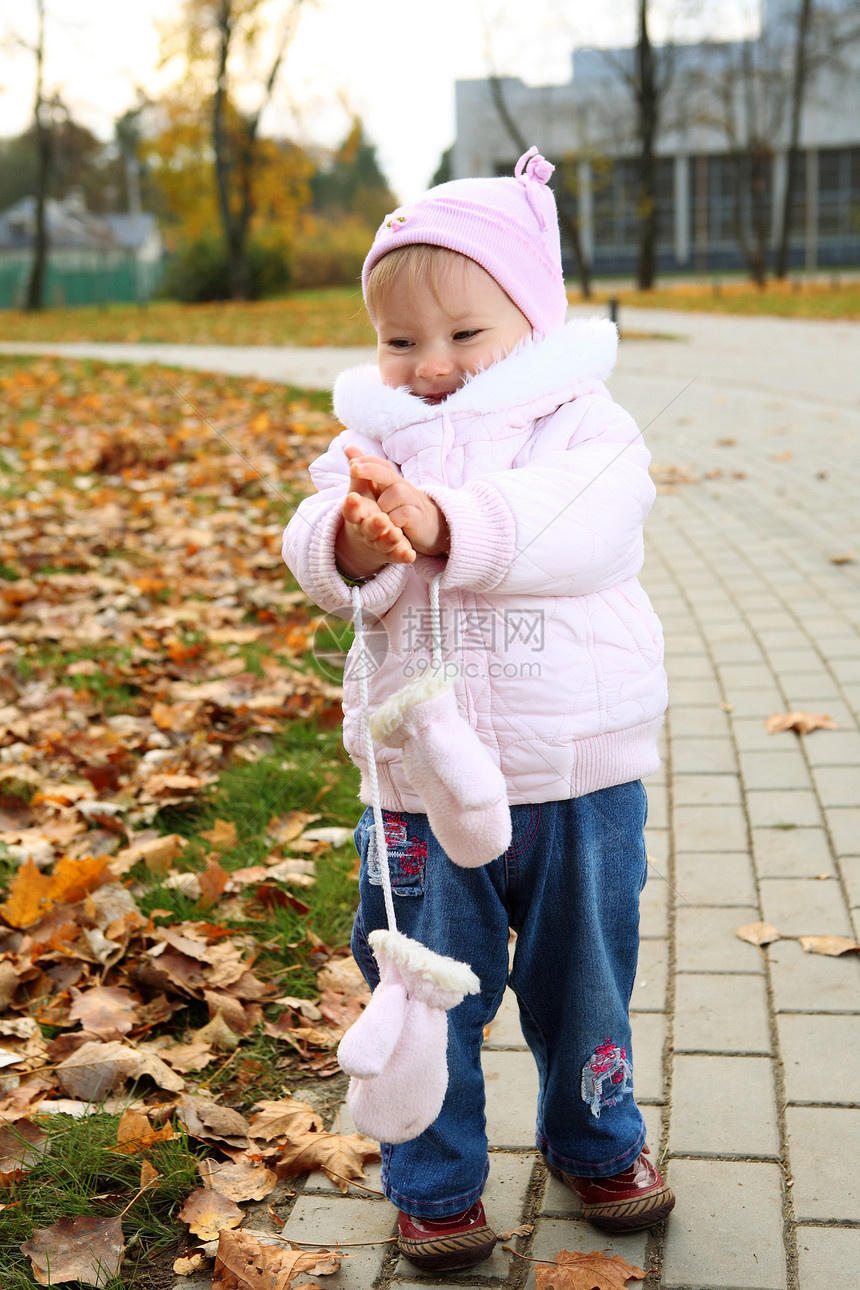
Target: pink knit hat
x,y
509,226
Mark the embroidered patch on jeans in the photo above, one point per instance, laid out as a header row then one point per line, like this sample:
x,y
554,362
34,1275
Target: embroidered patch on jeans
x,y
407,856
606,1076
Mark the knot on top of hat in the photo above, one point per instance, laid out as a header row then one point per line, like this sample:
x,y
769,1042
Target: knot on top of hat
x,y
537,169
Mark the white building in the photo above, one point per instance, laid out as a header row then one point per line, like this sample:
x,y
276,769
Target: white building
x,y
720,97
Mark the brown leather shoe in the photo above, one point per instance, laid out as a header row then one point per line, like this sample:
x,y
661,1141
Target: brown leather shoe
x,y
627,1202
442,1244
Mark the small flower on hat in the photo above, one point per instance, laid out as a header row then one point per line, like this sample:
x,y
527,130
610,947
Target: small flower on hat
x,y
535,166
396,222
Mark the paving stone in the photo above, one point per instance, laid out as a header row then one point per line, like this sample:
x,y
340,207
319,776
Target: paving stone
x,y
654,904
657,846
813,982
555,1234
774,769
803,689
649,987
844,825
825,1254
833,748
703,756
786,661
792,853
737,651
746,676
838,786
715,878
723,1106
326,1221
512,1089
691,665
822,1150
710,828
750,733
803,907
505,1031
686,694
504,1200
721,1013
706,940
703,721
649,1035
725,1232
769,808
850,866
820,1057
658,806
706,790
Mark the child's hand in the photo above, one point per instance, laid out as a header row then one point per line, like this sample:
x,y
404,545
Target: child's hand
x,y
369,538
409,508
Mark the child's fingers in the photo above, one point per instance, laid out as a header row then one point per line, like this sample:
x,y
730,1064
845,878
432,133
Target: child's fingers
x,y
375,473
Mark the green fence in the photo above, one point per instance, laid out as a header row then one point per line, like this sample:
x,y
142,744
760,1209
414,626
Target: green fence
x,y
123,282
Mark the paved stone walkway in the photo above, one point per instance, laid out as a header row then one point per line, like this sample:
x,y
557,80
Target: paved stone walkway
x,y
747,1062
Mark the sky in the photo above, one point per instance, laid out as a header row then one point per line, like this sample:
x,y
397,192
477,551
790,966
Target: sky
x,y
394,62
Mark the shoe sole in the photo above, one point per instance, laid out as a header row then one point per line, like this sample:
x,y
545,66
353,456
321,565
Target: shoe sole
x,y
632,1215
448,1253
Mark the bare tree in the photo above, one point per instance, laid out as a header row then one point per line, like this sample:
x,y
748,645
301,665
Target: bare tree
x,y
568,222
42,111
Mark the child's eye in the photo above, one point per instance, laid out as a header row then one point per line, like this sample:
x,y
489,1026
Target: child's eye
x,y
400,343
466,335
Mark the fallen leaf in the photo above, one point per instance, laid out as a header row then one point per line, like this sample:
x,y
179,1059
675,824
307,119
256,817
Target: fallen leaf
x,y
339,1155
148,1174
802,722
592,1271
222,835
104,1010
245,1262
184,1267
28,896
212,882
135,1133
207,1213
210,1122
283,1119
158,854
343,976
782,456
524,1229
217,1034
97,1068
848,557
757,933
242,1180
22,1145
76,1249
291,825
832,945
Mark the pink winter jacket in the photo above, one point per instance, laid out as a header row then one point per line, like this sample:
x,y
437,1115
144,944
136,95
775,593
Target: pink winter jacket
x,y
544,483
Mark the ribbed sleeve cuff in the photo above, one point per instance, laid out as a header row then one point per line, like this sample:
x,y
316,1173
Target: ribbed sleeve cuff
x,y
483,535
330,591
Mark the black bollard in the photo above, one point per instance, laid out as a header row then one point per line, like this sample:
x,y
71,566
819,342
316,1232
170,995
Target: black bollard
x,y
613,310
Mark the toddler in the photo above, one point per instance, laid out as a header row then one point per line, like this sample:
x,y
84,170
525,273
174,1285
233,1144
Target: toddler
x,y
485,448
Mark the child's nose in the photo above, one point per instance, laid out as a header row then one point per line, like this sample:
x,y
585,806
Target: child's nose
x,y
432,363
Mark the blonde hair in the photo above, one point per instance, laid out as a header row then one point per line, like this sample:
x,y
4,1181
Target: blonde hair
x,y
420,261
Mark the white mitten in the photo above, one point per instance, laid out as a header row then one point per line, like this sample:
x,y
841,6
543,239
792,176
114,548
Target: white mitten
x,y
463,790
396,1052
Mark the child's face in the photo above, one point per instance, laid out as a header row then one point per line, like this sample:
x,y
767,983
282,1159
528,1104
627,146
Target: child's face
x,y
430,341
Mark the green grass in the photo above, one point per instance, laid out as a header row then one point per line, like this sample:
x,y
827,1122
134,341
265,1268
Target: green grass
x,y
78,1175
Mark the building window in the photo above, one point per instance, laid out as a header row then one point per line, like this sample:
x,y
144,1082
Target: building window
x,y
730,193
838,192
616,203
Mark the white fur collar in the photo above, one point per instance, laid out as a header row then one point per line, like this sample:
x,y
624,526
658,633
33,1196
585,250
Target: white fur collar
x,y
585,348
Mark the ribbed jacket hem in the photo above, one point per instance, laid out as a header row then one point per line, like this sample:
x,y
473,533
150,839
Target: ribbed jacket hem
x,y
601,761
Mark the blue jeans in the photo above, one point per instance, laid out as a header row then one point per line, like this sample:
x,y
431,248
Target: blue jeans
x,y
569,886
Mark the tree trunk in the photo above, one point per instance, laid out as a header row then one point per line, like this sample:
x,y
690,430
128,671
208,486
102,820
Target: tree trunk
x,y
798,89
36,284
569,225
234,233
647,102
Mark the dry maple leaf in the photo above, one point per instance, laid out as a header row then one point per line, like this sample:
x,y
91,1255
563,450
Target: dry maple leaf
x,y
211,1122
339,1155
22,1145
212,882
592,1271
222,835
831,945
104,1010
242,1180
251,1261
283,1119
184,1267
28,896
207,1213
801,722
757,933
96,1068
343,976
76,1249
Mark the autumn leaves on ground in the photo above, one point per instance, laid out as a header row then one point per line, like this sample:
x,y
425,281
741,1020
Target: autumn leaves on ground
x,y
175,811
